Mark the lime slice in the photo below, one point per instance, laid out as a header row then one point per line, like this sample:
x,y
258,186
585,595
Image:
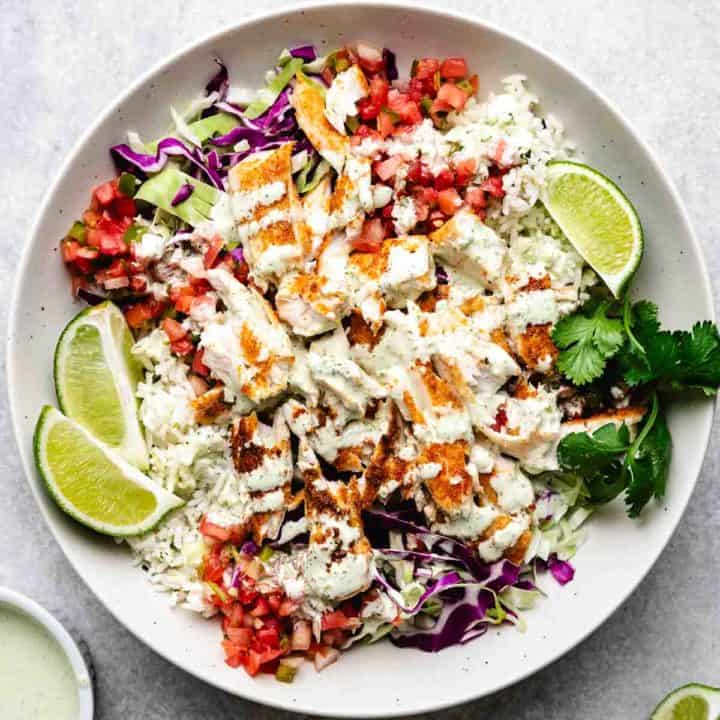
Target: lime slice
x,y
690,702
597,219
92,483
96,377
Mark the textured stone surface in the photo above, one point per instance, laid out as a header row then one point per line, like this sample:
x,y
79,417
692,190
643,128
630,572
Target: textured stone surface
x,y
64,61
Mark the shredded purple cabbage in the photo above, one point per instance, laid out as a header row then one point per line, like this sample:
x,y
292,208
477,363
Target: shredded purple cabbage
x,y
220,81
238,254
461,619
561,570
305,52
441,275
444,582
390,64
167,147
249,548
255,138
183,193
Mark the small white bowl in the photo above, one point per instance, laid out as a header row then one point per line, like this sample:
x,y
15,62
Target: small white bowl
x,y
36,612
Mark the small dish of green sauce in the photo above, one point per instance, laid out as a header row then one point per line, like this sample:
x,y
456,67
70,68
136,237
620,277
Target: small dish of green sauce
x,y
43,676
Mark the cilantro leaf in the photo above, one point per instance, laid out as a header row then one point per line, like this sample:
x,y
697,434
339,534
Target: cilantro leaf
x,y
582,452
676,360
597,458
648,461
587,340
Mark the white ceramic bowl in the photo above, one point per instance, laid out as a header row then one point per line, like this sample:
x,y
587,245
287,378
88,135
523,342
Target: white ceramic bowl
x,y
31,609
378,680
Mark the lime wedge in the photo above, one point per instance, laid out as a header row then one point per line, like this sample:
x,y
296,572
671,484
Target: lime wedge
x,y
92,483
690,702
96,377
597,219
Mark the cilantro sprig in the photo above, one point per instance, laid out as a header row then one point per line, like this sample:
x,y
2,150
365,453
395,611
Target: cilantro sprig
x,y
609,463
624,342
641,352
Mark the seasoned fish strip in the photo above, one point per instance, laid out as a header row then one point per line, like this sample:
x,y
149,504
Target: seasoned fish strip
x,y
246,347
262,457
309,102
338,563
267,209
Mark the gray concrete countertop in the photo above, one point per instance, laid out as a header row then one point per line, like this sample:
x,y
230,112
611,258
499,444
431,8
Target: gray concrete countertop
x,y
64,61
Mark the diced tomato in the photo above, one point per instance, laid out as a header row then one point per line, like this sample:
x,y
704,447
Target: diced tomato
x,y
261,607
370,58
124,206
474,83
449,201
184,303
419,173
371,236
444,179
385,169
211,254
69,250
207,528
416,89
501,419
105,193
240,636
494,186
385,123
426,195
175,331
269,636
465,171
363,131
287,607
475,197
198,366
426,68
438,110
378,89
407,109
182,347
213,568
137,315
116,269
337,620
274,601
454,67
452,95
368,109
235,619
234,654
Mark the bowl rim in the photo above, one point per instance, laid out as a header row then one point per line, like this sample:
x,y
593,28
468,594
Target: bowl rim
x,y
292,9
28,607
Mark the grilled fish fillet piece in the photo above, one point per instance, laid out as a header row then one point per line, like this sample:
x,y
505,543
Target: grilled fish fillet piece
x,y
267,210
400,271
466,242
246,347
309,102
338,563
263,459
